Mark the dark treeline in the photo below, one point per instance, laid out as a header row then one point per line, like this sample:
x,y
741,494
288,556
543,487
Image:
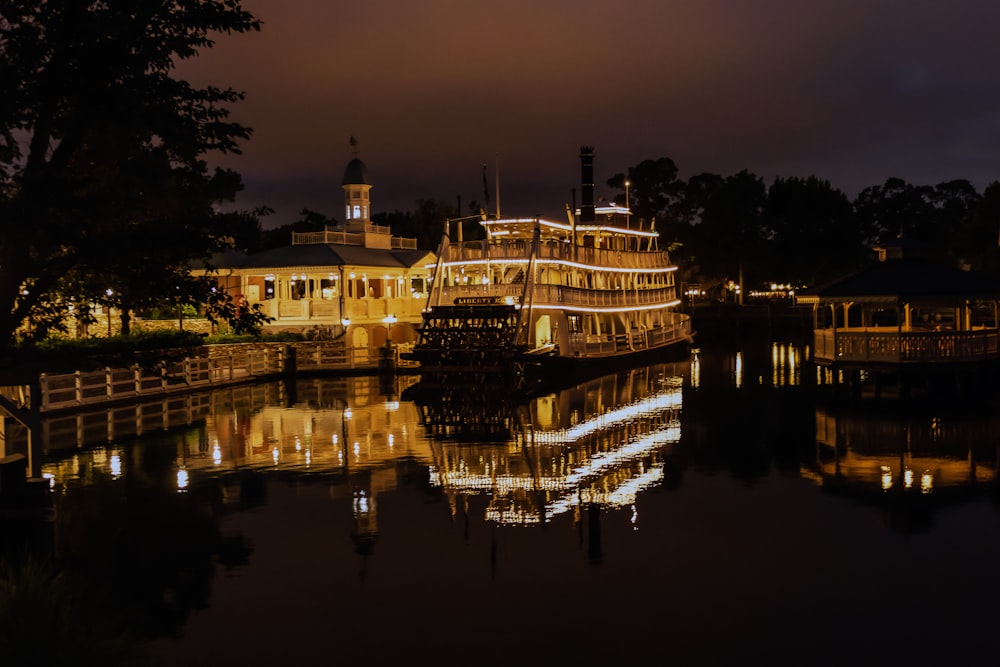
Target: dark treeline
x,y
800,231
804,231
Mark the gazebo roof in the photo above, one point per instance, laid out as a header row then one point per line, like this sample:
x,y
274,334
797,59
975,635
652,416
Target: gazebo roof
x,y
905,279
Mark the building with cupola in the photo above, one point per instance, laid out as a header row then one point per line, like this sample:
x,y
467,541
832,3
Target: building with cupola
x,y
355,280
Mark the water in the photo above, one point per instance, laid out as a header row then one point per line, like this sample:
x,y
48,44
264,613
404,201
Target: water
x,y
717,510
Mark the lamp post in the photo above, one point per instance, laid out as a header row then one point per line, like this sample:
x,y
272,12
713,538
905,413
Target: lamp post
x,y
389,320
387,359
109,292
628,205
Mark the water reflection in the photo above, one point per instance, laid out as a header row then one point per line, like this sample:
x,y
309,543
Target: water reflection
x,y
598,443
676,484
908,464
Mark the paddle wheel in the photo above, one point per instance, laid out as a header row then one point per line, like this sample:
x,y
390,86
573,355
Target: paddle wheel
x,y
461,337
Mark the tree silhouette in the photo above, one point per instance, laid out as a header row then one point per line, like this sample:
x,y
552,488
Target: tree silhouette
x,y
102,176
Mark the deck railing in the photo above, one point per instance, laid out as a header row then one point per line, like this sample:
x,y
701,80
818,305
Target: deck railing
x,y
520,249
905,347
563,295
229,364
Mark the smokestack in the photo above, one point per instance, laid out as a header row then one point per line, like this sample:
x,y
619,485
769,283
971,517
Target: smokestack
x,y
587,184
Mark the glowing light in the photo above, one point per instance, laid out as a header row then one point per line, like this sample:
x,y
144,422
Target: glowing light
x,y
926,482
116,465
886,478
216,453
666,268
182,479
361,503
275,455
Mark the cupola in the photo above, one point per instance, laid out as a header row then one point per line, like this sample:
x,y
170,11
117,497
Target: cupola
x,y
357,192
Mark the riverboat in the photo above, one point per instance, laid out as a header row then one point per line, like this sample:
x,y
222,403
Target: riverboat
x,y
594,292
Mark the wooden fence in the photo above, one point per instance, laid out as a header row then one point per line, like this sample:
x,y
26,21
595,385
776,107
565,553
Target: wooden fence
x,y
223,365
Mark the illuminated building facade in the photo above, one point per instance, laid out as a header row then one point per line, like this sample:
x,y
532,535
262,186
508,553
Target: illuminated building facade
x,y
356,279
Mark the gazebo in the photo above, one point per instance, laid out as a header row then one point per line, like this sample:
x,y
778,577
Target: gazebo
x,y
905,312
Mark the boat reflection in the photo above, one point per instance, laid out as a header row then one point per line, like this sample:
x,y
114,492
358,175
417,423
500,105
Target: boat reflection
x,y
598,443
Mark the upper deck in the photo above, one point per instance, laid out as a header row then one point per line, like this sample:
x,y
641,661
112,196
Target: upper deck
x,y
518,251
613,227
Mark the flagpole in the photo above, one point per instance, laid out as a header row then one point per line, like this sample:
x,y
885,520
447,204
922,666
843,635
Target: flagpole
x,y
497,188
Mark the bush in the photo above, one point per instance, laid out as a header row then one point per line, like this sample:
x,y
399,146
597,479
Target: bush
x,y
146,348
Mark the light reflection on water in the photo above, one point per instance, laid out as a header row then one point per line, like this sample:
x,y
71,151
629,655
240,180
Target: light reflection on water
x,y
717,503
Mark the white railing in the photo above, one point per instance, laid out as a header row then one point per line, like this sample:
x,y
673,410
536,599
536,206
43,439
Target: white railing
x,y
336,238
340,237
114,384
322,356
563,295
224,364
520,250
900,347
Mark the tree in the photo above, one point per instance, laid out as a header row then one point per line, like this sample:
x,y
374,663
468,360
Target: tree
x,y
103,185
980,236
426,223
654,191
811,230
728,238
310,221
931,215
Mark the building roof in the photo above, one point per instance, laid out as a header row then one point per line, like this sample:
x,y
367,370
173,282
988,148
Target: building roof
x,y
906,279
356,173
325,254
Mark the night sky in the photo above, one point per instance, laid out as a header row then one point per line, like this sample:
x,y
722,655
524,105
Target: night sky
x,y
851,92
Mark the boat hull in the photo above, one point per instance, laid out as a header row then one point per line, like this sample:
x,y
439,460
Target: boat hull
x,y
540,371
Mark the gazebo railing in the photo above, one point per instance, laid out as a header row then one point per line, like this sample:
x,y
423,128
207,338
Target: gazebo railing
x,y
905,347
